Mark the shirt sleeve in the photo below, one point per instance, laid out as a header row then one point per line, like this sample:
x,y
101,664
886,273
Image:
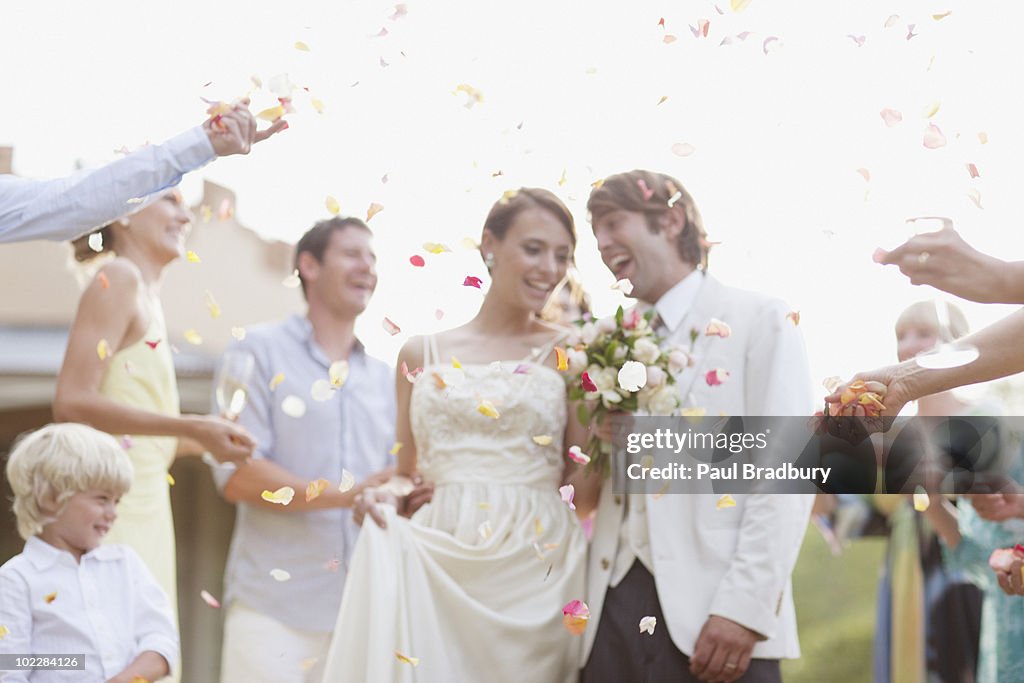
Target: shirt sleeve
x,y
154,625
16,618
64,208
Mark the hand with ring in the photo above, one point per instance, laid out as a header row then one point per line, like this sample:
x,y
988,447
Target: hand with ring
x,y
368,501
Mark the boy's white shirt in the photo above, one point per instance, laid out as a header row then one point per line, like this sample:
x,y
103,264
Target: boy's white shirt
x,y
107,607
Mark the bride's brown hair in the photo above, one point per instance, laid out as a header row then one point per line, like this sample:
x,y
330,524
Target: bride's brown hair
x,y
505,210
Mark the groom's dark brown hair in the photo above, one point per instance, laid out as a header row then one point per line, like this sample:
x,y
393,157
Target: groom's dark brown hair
x,y
654,195
315,239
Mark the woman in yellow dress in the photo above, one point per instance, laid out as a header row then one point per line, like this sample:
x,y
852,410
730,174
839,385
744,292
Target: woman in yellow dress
x,y
118,376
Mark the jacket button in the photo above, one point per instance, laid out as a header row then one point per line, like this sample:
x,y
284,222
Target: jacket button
x,y
605,563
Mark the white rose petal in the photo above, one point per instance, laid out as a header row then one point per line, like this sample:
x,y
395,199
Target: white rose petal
x,y
647,625
645,351
293,406
280,575
577,361
96,241
322,390
338,372
588,333
624,286
348,480
633,376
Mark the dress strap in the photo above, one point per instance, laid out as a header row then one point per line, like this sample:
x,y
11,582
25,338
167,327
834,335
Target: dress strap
x,y
431,356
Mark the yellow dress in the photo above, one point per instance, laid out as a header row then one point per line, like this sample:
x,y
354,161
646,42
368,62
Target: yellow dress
x,y
142,376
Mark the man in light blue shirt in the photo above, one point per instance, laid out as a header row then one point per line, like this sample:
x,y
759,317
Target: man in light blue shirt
x,y
280,630
65,208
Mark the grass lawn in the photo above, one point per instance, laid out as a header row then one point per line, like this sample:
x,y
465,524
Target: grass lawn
x,y
835,609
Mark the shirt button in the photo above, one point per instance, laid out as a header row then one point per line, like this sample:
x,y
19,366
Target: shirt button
x,y
605,563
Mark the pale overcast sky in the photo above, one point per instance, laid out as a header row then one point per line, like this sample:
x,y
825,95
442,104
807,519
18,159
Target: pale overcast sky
x,y
571,87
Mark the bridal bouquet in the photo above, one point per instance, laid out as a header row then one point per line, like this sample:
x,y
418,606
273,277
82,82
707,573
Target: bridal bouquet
x,y
618,365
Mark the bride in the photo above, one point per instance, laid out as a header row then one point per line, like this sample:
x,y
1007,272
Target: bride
x,y
473,586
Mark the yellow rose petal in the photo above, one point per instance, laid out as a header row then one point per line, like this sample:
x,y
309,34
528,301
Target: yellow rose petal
x,y
282,496
407,660
373,210
170,479
193,257
315,488
272,114
542,440
338,373
487,408
103,349
50,598
317,104
921,501
211,305
332,205
238,333
301,46
561,359
193,337
725,501
394,449
456,364
4,632
276,381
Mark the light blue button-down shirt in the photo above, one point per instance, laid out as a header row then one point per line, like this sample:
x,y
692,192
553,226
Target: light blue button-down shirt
x,y
353,430
64,208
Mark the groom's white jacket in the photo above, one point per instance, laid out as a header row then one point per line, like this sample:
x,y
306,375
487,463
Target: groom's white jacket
x,y
734,562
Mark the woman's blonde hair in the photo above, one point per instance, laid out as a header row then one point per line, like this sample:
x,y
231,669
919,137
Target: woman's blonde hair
x,y
922,313
47,467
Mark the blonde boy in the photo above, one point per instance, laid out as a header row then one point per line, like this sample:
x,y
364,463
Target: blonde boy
x,y
66,594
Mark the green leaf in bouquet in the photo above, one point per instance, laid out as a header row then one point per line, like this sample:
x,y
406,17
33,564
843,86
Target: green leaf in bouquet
x,y
619,316
582,414
609,352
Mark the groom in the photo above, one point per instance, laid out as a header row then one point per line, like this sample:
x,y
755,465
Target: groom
x,y
718,581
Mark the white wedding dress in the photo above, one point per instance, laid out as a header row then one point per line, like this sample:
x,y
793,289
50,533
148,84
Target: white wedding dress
x,y
474,584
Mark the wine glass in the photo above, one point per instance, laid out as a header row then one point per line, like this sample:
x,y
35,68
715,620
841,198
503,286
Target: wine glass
x,y
947,353
233,383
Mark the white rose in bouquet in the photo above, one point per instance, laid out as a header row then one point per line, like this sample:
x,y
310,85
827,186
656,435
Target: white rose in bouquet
x,y
577,361
655,376
646,351
663,402
588,333
606,325
620,354
677,361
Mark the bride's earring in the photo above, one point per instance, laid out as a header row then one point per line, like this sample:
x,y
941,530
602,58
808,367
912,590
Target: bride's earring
x,y
489,260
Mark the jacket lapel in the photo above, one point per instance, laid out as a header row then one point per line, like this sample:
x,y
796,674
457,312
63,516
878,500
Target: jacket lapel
x,y
705,307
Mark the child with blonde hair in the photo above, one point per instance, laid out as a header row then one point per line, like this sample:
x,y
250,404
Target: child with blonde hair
x,y
66,594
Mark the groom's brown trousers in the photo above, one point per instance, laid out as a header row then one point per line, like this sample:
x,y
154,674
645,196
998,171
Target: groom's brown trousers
x,y
622,654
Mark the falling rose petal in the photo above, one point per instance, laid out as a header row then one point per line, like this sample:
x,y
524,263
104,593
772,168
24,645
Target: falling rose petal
x,y
675,198
933,137
315,488
892,20
521,369
568,492
891,117
280,575
192,257
103,349
472,281
910,31
716,377
487,408
396,448
170,479
332,205
624,286
632,376
975,196
50,597
942,15
456,364
96,242
769,44
206,213
577,455
701,29
292,281
238,333
542,440
390,327
575,615
435,248
563,179
561,360
276,380
308,663
664,98
384,179
865,174
282,496
932,109
587,383
921,500
103,280
321,391
793,317
438,313
348,480
333,564
301,46
4,632
682,149
338,373
972,170
661,22
725,501
271,113
485,530
226,210
417,261
373,210
318,104
126,442
668,39
739,5
293,406
717,328
647,625
153,344
983,137
405,659
646,191
193,337
859,40
209,599
211,305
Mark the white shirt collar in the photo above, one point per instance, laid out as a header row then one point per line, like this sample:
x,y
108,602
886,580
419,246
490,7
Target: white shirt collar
x,y
43,555
677,302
